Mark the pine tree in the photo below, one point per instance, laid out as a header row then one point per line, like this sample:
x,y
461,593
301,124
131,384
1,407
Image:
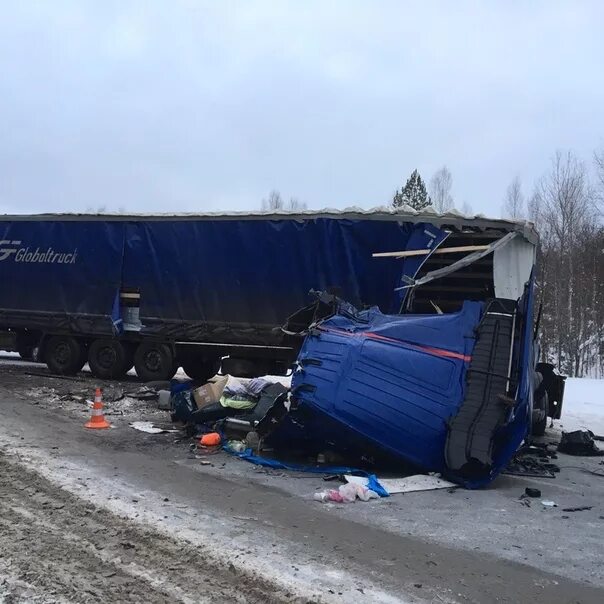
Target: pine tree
x,y
397,200
413,193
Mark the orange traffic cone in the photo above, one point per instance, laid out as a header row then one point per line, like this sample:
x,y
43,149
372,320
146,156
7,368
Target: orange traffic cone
x,y
98,419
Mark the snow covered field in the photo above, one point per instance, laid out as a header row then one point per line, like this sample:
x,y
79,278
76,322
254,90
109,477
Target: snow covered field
x,y
583,405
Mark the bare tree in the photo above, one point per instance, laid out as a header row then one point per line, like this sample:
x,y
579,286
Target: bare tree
x,y
276,203
295,204
467,209
599,158
567,221
273,203
570,278
566,195
534,207
440,189
599,161
513,205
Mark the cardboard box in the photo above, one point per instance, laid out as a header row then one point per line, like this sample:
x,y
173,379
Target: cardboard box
x,y
210,393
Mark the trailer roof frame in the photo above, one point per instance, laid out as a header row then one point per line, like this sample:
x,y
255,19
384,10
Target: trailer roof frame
x,y
448,220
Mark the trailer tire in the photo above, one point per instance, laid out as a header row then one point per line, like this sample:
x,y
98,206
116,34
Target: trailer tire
x,y
154,361
109,358
200,369
64,355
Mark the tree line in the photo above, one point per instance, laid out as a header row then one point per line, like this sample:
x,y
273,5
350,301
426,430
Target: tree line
x,y
565,205
275,203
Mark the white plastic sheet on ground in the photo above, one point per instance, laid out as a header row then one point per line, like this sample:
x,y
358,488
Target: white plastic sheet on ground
x,y
407,484
149,428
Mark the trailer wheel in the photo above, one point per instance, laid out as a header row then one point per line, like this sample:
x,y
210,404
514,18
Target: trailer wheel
x,y
199,368
63,355
154,362
109,359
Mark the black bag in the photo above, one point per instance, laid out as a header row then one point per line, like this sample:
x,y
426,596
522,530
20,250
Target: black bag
x,y
183,406
579,442
214,412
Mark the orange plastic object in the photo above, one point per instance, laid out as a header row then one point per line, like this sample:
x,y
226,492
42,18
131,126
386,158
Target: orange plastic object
x,y
97,420
210,440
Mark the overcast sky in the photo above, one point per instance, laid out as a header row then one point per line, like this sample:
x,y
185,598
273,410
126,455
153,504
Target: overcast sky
x,y
198,106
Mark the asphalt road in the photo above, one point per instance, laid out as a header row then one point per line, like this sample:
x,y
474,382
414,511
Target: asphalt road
x,y
175,533
58,547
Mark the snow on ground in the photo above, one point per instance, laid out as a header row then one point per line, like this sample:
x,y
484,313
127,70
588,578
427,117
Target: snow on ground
x,y
254,551
583,405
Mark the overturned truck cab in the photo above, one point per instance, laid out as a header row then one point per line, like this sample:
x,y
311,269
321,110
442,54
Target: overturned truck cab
x,y
451,384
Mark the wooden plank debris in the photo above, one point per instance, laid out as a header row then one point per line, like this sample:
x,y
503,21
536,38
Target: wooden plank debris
x,y
444,250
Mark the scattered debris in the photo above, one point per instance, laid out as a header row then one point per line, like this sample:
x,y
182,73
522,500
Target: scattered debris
x,y
144,393
334,477
549,504
533,462
347,493
226,398
150,428
253,441
407,484
51,376
210,393
82,399
164,400
113,394
579,442
212,439
530,492
73,397
182,405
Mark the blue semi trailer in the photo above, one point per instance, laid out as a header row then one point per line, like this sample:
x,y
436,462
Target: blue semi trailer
x,y
158,292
